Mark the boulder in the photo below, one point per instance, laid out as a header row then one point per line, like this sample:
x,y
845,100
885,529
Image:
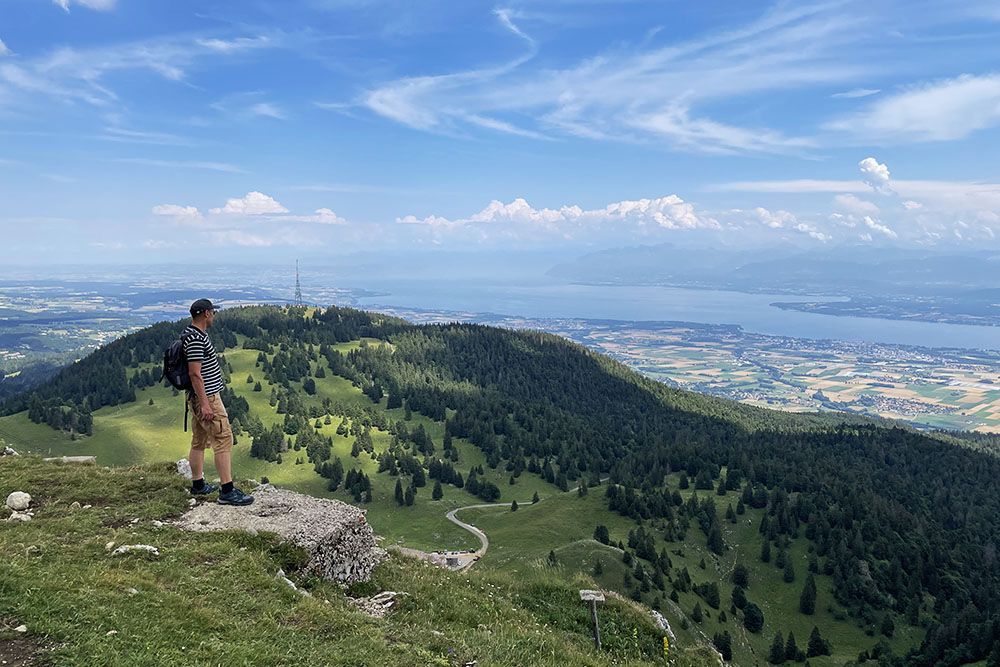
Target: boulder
x,y
19,501
184,469
338,540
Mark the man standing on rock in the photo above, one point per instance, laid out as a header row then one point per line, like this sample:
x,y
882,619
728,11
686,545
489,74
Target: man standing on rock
x,y
210,427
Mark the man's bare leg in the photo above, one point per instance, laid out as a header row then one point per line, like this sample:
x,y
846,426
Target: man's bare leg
x,y
196,457
224,466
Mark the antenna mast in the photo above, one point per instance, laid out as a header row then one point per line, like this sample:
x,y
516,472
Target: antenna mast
x,y
298,286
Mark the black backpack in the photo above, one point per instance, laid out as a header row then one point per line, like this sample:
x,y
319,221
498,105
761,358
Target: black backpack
x,y
175,369
175,365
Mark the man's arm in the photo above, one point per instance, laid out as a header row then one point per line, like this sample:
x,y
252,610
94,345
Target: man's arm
x,y
198,383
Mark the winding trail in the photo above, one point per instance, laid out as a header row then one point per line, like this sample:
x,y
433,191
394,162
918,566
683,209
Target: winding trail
x,y
466,560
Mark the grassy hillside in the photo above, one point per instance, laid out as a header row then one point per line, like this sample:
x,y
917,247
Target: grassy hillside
x,y
213,598
139,433
895,521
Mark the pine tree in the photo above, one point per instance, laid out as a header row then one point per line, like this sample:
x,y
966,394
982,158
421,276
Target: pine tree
x,y
888,627
409,496
551,559
753,617
601,534
535,498
715,543
741,575
696,614
724,644
765,551
817,645
791,649
513,506
807,601
399,492
777,653
438,492
789,573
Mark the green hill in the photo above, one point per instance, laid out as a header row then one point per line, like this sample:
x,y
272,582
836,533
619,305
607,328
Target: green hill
x,y
895,524
214,599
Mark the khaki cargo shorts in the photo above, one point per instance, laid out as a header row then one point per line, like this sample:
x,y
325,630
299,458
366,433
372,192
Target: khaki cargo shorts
x,y
217,434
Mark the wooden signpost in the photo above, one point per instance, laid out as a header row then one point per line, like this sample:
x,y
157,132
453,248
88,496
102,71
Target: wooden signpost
x,y
593,597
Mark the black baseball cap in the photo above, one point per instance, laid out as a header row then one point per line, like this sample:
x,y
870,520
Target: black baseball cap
x,y
200,306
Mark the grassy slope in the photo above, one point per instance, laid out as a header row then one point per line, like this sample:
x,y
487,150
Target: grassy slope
x,y
213,598
138,433
520,541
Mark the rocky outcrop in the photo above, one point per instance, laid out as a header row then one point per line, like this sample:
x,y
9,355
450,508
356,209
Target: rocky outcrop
x,y
338,540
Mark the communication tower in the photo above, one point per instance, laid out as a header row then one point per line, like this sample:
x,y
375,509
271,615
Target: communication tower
x,y
298,286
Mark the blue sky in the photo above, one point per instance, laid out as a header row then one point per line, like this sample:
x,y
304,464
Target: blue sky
x,y
132,131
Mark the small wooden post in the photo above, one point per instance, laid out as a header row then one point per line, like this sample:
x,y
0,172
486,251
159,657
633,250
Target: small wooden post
x,y
593,597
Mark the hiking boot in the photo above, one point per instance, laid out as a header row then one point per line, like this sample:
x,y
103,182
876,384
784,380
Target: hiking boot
x,y
205,490
235,497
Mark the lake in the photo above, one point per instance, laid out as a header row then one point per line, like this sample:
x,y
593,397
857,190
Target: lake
x,y
753,312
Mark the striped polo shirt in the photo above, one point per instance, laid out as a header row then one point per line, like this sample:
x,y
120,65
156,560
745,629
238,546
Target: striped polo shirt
x,y
198,347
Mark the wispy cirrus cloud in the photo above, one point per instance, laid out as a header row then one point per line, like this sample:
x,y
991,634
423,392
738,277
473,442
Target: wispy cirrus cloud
x,y
4,51
641,93
99,5
937,111
80,74
182,164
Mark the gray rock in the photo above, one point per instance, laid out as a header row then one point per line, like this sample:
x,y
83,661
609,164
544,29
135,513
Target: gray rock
x,y
339,541
19,501
184,469
136,548
9,451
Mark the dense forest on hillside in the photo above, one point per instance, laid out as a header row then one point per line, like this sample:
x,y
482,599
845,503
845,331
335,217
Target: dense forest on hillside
x,y
905,524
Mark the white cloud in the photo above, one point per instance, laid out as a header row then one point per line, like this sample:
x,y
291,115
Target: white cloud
x,y
938,111
792,187
177,211
257,240
812,232
670,212
181,164
855,206
875,174
268,110
911,205
775,219
4,51
157,244
254,203
233,45
877,226
99,5
857,92
322,216
643,92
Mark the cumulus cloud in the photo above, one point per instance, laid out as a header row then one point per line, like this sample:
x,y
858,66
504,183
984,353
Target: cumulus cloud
x,y
177,211
670,212
875,174
876,226
775,219
812,232
911,205
854,205
254,203
322,216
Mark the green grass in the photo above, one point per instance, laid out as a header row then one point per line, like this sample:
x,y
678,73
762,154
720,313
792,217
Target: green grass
x,y
212,598
520,542
137,433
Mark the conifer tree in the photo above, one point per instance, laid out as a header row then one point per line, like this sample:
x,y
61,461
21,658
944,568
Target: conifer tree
x,y
696,614
551,559
777,654
807,601
438,492
513,506
753,617
765,551
789,574
791,649
409,496
399,492
817,645
535,498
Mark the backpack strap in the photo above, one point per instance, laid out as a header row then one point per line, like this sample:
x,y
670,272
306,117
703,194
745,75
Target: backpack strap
x,y
186,403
